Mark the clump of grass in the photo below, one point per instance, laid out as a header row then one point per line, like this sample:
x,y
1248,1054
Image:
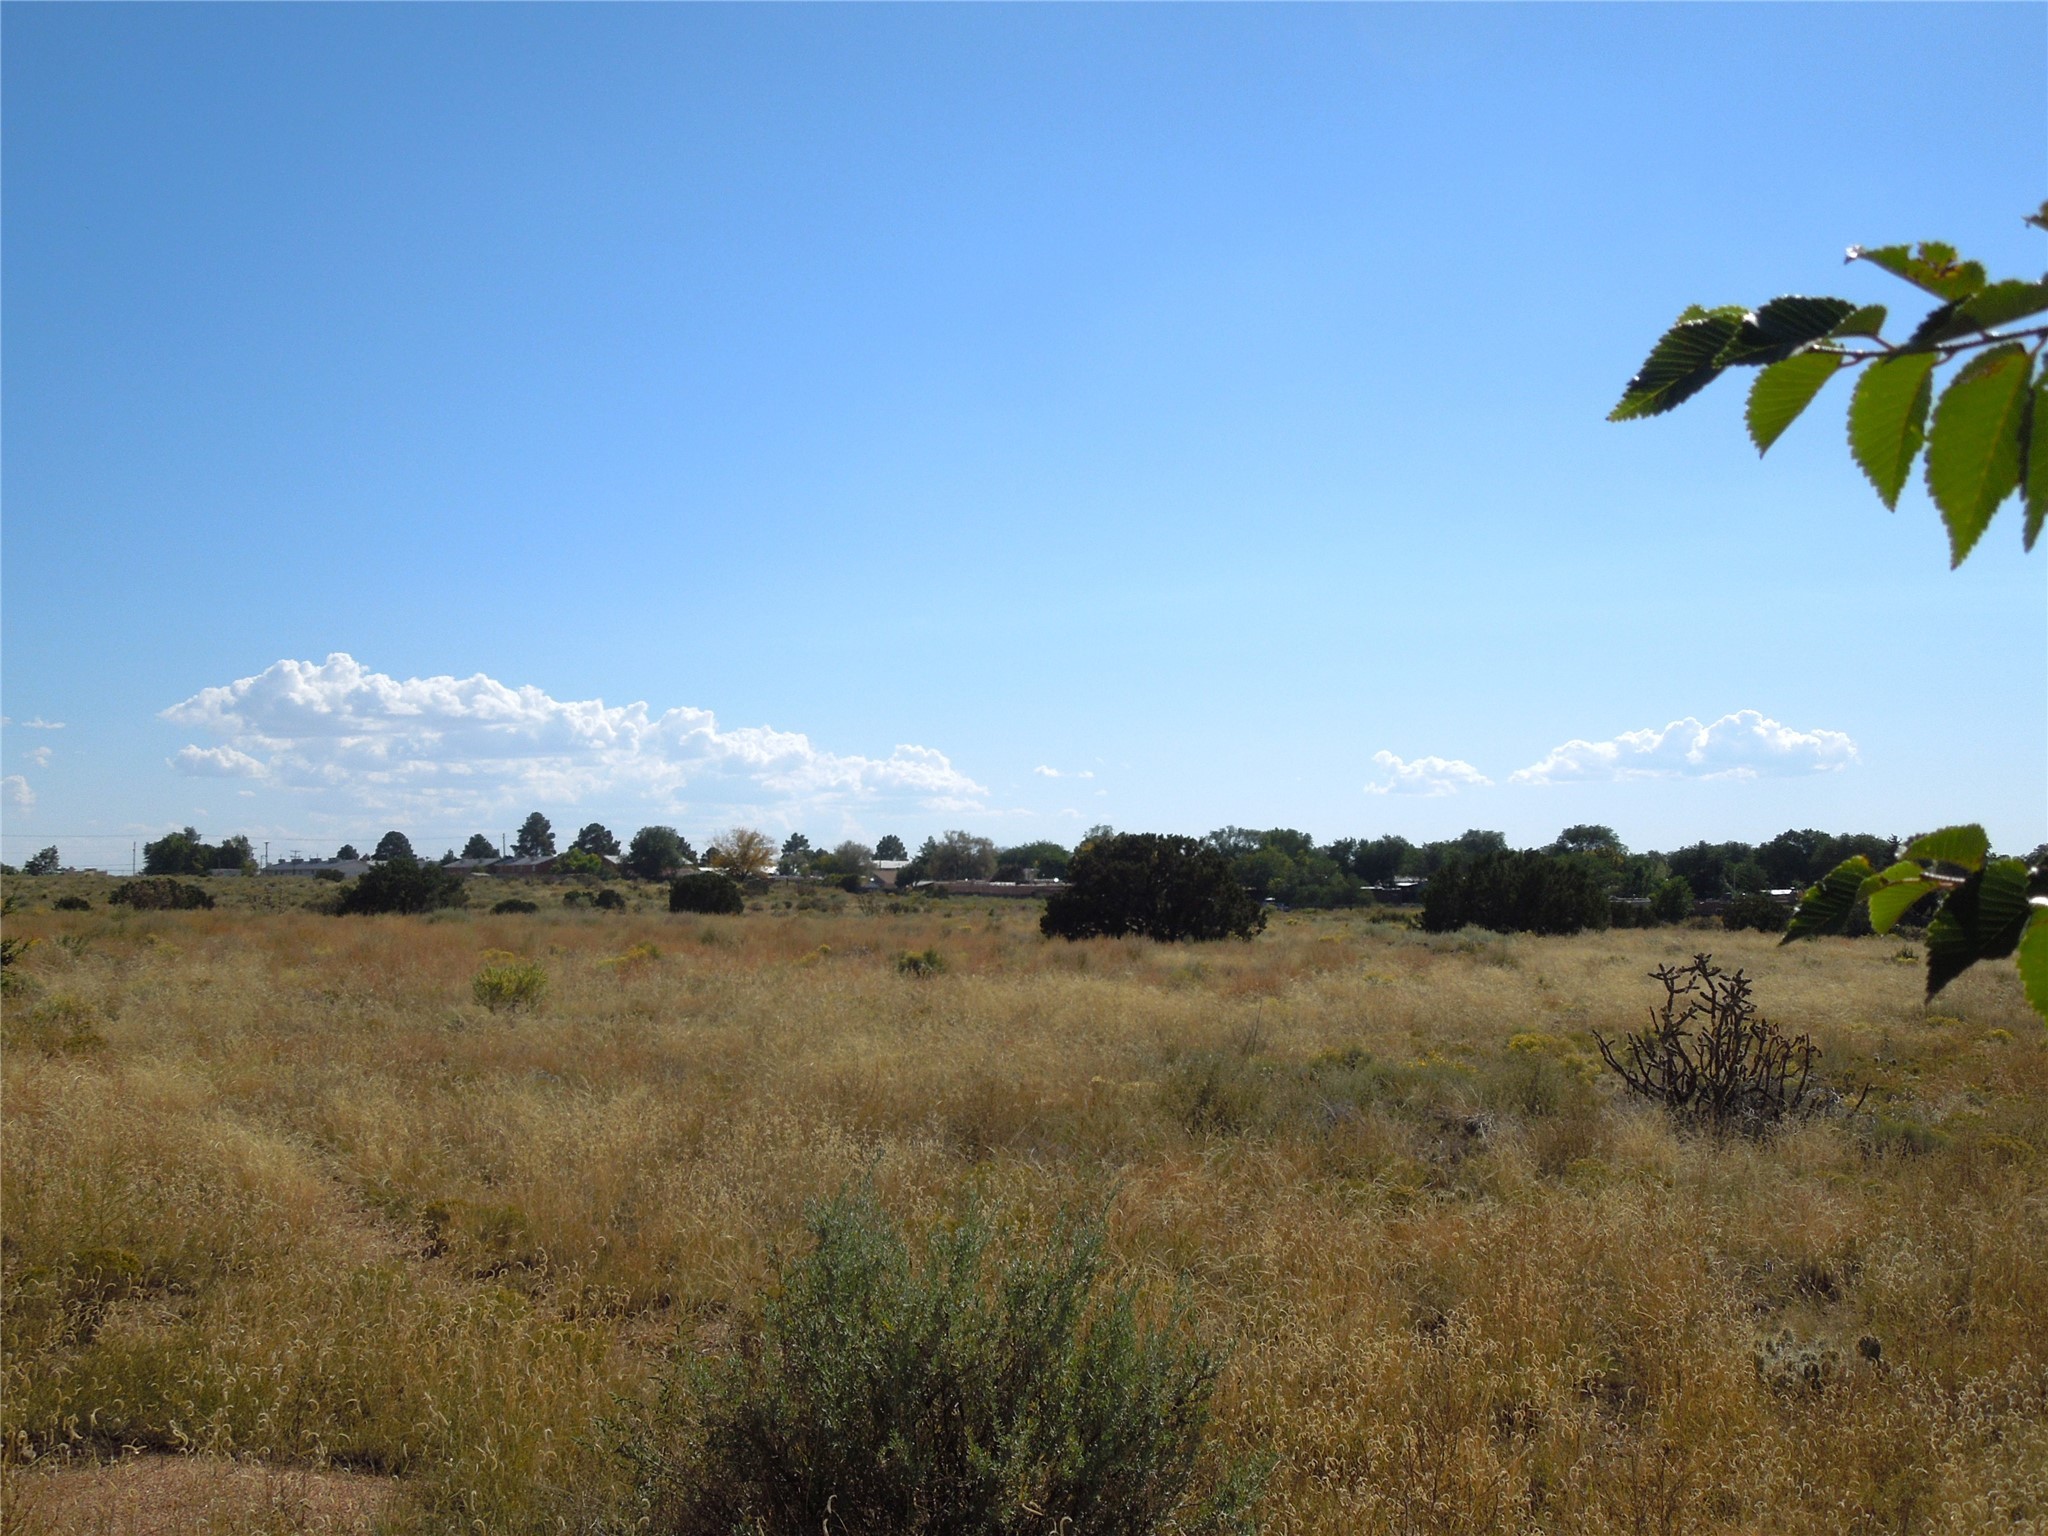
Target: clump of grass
x,y
952,1388
506,981
921,964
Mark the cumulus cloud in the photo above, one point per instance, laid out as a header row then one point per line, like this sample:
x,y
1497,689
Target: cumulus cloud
x,y
474,743
217,763
1425,776
1053,773
15,791
40,757
1744,745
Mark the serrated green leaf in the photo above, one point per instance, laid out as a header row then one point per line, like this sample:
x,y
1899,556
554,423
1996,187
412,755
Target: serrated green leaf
x,y
2004,302
1782,391
1893,892
1934,266
1938,325
1680,365
1828,902
1888,420
2033,955
1973,448
2037,463
1965,847
1867,321
1982,919
1781,327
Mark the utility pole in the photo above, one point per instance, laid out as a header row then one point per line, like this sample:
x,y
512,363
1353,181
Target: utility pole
x,y
131,856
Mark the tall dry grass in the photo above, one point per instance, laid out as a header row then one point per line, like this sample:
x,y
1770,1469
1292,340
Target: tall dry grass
x,y
278,1187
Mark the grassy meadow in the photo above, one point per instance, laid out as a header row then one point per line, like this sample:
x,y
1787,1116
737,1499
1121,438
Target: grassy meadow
x,y
281,1193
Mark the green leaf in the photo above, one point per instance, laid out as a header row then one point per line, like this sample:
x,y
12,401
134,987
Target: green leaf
x,y
1893,892
1964,847
1781,327
1867,321
1934,267
1888,419
1973,449
2033,957
1981,920
1782,391
2037,462
1829,901
2004,302
1680,365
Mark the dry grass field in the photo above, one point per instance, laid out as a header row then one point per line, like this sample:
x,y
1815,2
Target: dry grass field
x,y
283,1198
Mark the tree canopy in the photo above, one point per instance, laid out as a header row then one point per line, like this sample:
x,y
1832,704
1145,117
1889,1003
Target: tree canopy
x,y
597,838
394,845
479,847
657,853
742,852
891,848
1165,888
536,838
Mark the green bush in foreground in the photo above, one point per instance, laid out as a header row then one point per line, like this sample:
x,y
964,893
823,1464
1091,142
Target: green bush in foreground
x,y
959,1387
705,892
506,981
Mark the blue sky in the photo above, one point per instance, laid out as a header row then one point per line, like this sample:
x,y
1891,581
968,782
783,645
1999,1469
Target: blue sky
x,y
866,420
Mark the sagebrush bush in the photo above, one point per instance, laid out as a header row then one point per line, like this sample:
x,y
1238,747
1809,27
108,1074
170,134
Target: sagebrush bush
x,y
160,893
928,962
512,904
72,904
705,892
609,900
959,1386
506,981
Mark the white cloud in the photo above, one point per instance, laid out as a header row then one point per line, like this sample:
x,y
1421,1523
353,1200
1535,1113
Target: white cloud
x,y
1744,745
217,763
40,757
1425,776
474,743
40,724
1053,773
15,791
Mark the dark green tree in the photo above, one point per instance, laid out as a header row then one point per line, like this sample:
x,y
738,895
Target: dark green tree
x,y
658,853
1165,888
1514,893
403,885
394,845
1049,859
176,853
706,891
597,838
957,856
1986,442
479,847
797,855
891,848
1671,902
45,862
347,851
536,839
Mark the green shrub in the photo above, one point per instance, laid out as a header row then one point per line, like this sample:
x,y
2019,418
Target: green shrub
x,y
705,892
1753,909
961,1387
609,900
506,981
1510,892
330,876
72,904
1671,902
513,904
405,887
159,893
1166,888
922,964
576,898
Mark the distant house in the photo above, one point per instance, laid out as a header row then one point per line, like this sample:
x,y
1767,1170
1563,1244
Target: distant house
x,y
1401,891
990,887
886,869
347,868
470,866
